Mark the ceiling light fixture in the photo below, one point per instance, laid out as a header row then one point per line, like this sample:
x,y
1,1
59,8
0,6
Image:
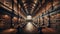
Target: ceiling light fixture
x,y
35,1
23,1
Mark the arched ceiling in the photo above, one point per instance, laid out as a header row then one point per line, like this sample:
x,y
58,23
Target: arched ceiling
x,y
30,7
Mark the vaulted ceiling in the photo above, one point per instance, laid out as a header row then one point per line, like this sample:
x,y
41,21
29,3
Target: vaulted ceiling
x,y
29,7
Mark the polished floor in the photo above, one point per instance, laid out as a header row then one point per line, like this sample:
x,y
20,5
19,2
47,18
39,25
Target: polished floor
x,y
23,31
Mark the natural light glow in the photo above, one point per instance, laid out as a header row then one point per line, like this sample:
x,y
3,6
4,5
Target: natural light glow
x,y
29,17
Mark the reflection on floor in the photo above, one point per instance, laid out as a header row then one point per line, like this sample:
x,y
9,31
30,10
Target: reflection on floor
x,y
22,31
28,29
